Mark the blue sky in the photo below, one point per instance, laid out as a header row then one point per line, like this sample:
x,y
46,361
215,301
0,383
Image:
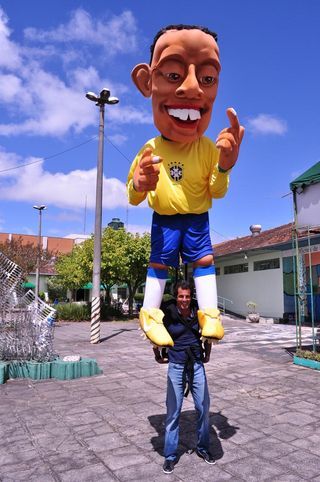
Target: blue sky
x,y
52,53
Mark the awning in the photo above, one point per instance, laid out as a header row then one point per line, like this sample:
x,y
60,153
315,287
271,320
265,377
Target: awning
x,y
311,176
88,286
27,284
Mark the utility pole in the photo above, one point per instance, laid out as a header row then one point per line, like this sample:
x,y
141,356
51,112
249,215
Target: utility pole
x,y
40,209
104,98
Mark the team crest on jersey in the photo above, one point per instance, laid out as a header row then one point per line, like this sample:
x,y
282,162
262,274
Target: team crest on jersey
x,y
176,170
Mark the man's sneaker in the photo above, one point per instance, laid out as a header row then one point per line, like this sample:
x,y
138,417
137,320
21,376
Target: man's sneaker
x,y
206,456
168,466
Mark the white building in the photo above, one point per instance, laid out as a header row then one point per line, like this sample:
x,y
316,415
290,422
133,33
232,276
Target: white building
x,y
260,268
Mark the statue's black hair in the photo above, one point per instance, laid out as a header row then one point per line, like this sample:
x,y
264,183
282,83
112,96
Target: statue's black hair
x,y
180,26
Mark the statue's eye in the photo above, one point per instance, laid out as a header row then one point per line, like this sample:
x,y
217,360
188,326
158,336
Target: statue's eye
x,y
173,77
207,80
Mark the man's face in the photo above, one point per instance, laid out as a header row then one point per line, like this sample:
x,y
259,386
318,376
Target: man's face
x,y
184,80
183,299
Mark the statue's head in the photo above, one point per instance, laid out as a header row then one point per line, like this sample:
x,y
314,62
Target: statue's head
x,y
182,80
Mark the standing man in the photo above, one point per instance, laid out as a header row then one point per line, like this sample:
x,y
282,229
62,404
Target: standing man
x,y
185,372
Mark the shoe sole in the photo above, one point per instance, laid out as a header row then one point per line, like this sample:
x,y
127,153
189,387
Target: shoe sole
x,y
206,461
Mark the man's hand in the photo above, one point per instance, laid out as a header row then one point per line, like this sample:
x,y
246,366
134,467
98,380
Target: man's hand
x,y
146,174
158,357
229,140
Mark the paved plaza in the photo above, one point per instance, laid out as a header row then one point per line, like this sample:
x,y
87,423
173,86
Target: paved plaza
x,y
265,415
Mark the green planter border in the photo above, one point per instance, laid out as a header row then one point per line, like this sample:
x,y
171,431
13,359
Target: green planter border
x,y
305,362
58,369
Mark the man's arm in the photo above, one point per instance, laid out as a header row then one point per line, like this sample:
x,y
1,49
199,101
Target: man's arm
x,y
207,351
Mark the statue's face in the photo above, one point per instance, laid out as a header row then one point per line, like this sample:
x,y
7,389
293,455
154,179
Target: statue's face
x,y
183,83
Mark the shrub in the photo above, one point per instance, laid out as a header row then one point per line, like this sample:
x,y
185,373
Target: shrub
x,y
252,306
167,297
73,312
309,355
110,312
138,297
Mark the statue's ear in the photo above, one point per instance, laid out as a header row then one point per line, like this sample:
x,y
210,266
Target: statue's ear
x,y
141,76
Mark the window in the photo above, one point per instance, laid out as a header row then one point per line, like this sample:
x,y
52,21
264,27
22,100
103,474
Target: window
x,y
236,268
266,264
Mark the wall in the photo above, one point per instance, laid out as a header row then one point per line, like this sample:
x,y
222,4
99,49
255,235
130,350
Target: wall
x,y
43,282
263,287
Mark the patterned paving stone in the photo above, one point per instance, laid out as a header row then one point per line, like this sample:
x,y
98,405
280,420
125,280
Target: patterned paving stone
x,y
264,413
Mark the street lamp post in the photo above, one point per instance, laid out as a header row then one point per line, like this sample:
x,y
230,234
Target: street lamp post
x,y
40,209
104,98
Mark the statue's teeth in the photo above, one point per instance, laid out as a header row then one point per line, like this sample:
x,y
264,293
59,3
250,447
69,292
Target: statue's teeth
x,y
183,114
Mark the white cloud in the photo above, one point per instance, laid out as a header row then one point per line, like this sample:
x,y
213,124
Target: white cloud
x,y
27,230
10,87
53,105
8,160
114,35
10,57
66,216
53,108
138,228
267,124
117,139
65,190
128,114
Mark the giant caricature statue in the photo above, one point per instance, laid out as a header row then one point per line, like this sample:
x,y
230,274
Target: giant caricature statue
x,y
180,171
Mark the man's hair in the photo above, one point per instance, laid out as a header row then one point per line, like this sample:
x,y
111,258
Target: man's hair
x,y
184,285
180,26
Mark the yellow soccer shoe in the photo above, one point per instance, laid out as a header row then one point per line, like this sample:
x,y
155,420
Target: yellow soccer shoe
x,y
152,325
210,324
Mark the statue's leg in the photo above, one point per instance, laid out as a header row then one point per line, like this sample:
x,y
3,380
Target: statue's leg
x,y
197,248
150,314
208,314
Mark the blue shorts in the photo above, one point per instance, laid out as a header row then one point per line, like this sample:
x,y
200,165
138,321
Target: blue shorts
x,y
186,235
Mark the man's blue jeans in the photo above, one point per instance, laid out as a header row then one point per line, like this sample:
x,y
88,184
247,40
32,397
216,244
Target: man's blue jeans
x,y
200,394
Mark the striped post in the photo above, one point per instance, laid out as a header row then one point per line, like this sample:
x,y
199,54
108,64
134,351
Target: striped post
x,y
95,320
96,273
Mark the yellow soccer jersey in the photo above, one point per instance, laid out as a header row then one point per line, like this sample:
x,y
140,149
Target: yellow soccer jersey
x,y
189,177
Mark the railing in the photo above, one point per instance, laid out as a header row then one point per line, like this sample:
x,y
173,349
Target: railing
x,y
222,303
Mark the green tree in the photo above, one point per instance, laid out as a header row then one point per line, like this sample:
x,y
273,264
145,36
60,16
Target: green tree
x,y
135,260
56,290
124,259
71,274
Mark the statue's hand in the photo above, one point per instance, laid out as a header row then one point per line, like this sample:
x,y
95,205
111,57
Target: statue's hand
x,y
229,140
146,174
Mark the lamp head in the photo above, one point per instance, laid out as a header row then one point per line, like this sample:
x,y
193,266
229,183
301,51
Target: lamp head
x,y
113,100
40,208
92,96
105,94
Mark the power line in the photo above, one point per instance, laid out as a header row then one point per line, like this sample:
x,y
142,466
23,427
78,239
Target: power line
x,y
63,152
50,157
117,149
222,235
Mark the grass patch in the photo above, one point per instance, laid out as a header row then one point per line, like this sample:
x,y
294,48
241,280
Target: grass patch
x,y
308,355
